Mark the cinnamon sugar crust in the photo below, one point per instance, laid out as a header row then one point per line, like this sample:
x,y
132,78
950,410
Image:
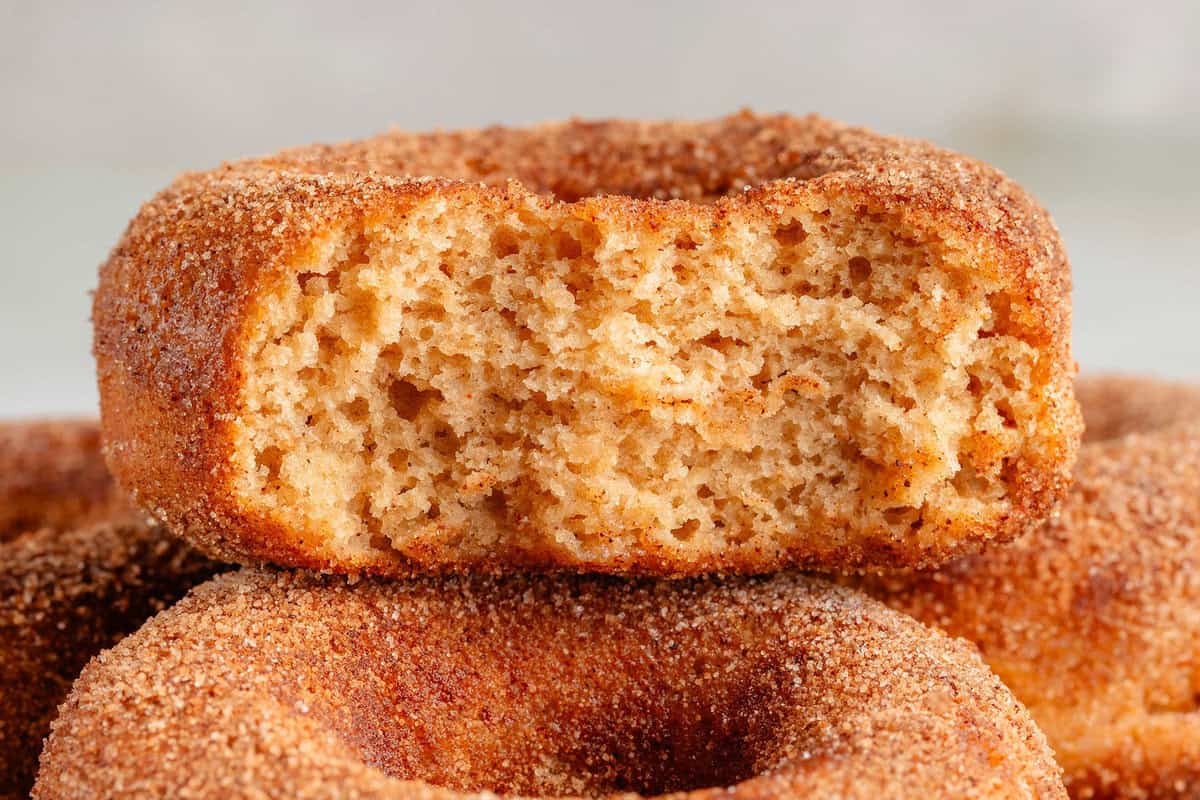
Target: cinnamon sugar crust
x,y
277,684
1094,620
52,475
629,347
64,597
1115,406
78,570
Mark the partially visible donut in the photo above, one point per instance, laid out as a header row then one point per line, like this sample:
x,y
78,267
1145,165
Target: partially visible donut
x,y
74,584
266,684
52,475
1094,620
673,348
1118,405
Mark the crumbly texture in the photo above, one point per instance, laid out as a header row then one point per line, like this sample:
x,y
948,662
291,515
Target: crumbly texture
x,y
78,570
671,348
52,475
265,684
1094,620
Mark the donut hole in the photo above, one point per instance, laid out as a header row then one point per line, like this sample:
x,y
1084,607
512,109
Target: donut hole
x,y
505,242
676,715
860,269
567,246
791,234
686,742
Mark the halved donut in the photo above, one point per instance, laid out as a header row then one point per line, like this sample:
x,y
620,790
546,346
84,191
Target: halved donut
x,y
1094,620
672,348
268,684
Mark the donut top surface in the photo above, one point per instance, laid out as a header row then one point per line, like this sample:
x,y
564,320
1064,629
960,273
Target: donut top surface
x,y
65,595
620,162
298,685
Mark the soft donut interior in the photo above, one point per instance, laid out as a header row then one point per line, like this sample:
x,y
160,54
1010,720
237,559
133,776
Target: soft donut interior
x,y
476,375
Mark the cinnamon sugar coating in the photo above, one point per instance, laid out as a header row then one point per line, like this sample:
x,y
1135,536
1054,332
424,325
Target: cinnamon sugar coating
x,y
1094,620
279,684
52,475
64,597
627,347
1115,406
85,572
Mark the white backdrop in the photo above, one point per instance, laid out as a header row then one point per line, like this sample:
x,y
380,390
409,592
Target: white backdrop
x,y
1094,106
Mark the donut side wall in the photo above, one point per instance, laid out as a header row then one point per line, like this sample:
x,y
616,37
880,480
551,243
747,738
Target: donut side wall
x,y
586,387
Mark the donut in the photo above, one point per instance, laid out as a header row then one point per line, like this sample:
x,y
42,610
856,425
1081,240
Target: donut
x,y
282,684
658,348
1114,406
52,475
1094,620
89,573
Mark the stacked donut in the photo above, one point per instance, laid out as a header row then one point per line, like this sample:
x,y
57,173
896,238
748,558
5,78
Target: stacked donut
x,y
79,569
520,436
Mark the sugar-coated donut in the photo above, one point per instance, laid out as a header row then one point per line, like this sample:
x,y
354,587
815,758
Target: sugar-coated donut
x,y
52,475
1094,620
1117,405
269,684
673,348
87,572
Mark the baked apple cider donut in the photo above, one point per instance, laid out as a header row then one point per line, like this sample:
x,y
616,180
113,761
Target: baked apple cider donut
x,y
671,348
1116,405
280,684
52,476
79,569
1094,620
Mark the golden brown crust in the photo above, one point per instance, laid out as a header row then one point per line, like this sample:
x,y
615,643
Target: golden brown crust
x,y
1094,620
297,685
52,475
65,596
78,570
175,304
1117,405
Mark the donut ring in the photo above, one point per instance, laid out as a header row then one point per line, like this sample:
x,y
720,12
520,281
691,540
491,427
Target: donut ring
x,y
1115,406
1094,620
52,475
66,593
298,685
829,348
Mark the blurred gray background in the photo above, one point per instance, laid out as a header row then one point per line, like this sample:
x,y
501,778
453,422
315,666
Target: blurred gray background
x,y
1094,106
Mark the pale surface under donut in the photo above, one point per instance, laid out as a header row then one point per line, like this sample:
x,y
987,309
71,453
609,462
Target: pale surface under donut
x,y
675,347
78,570
264,684
1094,620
